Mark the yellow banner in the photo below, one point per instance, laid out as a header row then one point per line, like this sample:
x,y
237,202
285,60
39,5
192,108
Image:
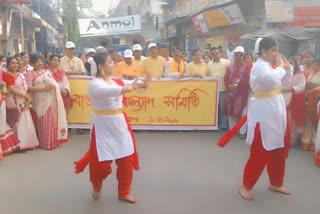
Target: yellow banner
x,y
166,104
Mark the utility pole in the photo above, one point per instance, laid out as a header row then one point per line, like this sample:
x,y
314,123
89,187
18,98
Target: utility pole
x,y
22,31
4,39
65,21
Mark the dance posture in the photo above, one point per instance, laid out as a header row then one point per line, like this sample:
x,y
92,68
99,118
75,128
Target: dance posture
x,y
268,128
111,134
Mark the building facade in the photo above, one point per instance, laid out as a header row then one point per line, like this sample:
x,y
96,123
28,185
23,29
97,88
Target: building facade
x,y
31,27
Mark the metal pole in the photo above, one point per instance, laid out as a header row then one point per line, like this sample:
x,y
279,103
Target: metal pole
x,y
5,28
21,21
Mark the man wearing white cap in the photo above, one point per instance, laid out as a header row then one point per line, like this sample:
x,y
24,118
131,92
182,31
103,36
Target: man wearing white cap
x,y
237,87
154,64
127,68
71,64
138,59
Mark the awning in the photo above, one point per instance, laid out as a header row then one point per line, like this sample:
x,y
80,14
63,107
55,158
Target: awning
x,y
297,33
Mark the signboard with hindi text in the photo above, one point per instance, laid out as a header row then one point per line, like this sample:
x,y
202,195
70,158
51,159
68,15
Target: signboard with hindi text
x,y
167,104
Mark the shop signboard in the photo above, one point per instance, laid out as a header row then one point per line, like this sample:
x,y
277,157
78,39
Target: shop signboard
x,y
279,11
163,32
200,24
215,41
172,30
305,17
109,26
224,16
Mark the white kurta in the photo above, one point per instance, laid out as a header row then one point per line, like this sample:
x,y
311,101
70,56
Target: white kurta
x,y
113,138
270,112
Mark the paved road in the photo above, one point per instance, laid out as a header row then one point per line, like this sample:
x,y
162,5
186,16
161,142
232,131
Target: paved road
x,y
181,172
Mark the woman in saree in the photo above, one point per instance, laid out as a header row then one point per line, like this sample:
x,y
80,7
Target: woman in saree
x,y
316,156
48,105
61,78
312,95
293,92
8,141
308,61
18,107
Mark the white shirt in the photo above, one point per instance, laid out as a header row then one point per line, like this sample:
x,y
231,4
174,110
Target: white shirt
x,y
230,55
270,112
113,138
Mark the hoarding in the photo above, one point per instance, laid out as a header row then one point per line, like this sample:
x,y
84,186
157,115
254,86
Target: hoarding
x,y
228,15
109,26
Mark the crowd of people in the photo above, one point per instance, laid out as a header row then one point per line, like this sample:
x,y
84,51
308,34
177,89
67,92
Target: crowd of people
x,y
36,97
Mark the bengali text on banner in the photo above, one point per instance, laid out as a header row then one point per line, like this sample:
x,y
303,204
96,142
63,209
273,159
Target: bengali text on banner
x,y
167,104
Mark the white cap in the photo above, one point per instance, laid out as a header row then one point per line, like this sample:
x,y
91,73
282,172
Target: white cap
x,y
151,45
128,53
137,47
91,50
70,44
239,49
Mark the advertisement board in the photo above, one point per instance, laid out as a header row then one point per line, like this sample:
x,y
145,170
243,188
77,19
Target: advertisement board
x,y
228,15
109,26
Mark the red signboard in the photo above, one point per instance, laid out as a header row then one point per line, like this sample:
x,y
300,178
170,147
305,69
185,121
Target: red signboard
x,y
305,17
200,24
197,25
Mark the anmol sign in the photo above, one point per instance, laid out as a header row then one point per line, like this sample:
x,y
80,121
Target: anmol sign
x,y
110,26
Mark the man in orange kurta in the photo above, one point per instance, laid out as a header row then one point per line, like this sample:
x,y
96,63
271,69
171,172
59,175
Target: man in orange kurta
x,y
127,68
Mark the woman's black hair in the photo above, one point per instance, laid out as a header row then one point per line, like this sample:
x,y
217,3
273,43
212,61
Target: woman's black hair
x,y
207,56
310,53
17,55
53,56
295,66
266,44
34,57
81,55
317,60
22,54
100,59
10,59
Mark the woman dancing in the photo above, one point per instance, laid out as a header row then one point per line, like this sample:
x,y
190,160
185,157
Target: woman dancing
x,y
111,135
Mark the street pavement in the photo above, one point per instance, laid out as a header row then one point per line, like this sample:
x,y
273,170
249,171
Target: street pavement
x,y
181,172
